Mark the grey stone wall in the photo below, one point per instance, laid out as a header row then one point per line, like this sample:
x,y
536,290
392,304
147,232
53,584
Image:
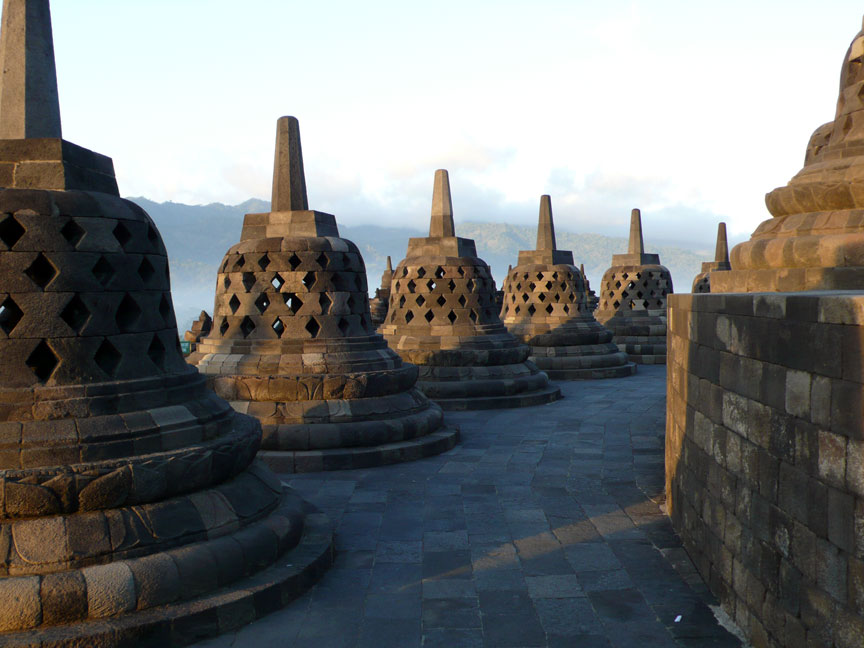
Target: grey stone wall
x,y
765,459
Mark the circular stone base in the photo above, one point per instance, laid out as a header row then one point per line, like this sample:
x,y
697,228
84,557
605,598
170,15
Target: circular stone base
x,y
217,612
592,373
648,359
302,461
548,394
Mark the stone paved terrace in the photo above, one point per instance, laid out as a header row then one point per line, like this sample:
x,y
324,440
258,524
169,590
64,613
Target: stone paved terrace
x,y
543,528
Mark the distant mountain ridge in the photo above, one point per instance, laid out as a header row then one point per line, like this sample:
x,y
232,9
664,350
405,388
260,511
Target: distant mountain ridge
x,y
197,237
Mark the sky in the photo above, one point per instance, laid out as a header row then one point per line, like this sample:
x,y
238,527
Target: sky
x,y
691,111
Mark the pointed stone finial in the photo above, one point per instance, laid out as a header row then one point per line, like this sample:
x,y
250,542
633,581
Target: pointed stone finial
x,y
442,206
29,102
637,246
289,179
721,254
389,265
546,228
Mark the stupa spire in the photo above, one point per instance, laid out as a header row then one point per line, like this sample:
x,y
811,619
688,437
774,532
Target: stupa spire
x,y
721,253
546,228
442,207
637,246
29,102
389,265
289,179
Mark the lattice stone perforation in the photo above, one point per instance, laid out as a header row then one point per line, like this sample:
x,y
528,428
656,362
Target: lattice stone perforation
x,y
544,292
637,288
11,231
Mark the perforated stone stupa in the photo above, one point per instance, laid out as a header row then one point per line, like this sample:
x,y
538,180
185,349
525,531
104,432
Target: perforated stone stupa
x,y
546,307
633,301
378,304
443,317
702,282
131,508
294,345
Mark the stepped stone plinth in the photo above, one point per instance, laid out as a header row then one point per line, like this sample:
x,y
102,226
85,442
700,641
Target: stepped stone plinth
x,y
546,307
293,342
443,317
200,329
633,301
378,304
702,282
132,510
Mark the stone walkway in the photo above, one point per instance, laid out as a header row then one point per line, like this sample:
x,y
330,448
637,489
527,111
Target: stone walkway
x,y
542,528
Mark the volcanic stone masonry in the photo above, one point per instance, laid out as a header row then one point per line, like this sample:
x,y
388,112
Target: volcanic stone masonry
x,y
443,317
293,342
131,508
702,282
545,306
378,304
633,302
765,408
200,329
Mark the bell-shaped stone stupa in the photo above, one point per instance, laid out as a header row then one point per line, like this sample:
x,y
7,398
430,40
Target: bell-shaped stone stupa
x,y
378,304
702,282
545,306
293,342
633,301
815,240
132,510
443,317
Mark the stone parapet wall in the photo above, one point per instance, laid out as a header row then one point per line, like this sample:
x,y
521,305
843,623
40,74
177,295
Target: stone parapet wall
x,y
765,459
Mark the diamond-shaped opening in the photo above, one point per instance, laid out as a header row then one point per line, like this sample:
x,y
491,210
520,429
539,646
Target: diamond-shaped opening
x,y
617,284
549,309
473,315
75,314
532,286
72,232
294,261
461,271
408,317
264,261
541,297
616,304
293,302
226,282
128,313
325,302
156,352
146,270
248,280
41,271
462,300
566,308
42,361
309,279
262,303
405,271
420,300
439,272
555,275
401,301
639,294
532,309
234,304
224,266
524,297
107,358
441,300
223,327
153,237
344,326
539,276
247,326
624,275
451,285
557,297
122,234
548,285
517,309
165,309
470,285
313,327
421,272
10,315
431,285
103,271
239,263
624,294
277,281
278,326
11,231
429,316
411,286
322,261
451,316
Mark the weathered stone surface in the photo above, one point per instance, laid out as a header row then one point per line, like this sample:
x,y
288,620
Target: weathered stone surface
x,y
443,316
293,341
633,301
545,305
702,281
